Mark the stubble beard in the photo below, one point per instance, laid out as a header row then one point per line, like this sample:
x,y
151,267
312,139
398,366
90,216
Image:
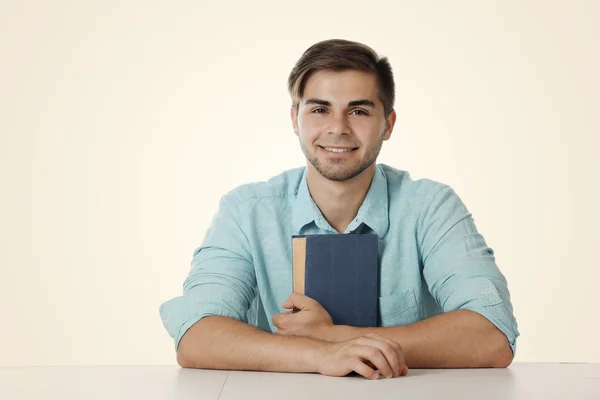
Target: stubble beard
x,y
338,172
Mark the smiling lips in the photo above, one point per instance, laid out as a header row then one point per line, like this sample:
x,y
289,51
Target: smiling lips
x,y
338,149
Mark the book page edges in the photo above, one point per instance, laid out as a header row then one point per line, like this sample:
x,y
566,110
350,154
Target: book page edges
x,y
299,264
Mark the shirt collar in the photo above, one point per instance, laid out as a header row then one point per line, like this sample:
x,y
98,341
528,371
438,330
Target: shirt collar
x,y
304,209
373,212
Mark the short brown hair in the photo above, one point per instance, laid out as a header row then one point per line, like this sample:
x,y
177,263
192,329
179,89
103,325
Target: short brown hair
x,y
342,55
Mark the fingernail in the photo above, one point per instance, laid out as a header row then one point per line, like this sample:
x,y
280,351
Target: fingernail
x,y
375,375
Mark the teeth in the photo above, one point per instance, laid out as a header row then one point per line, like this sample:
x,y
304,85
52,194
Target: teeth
x,y
337,150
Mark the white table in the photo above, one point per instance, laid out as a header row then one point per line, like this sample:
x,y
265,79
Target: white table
x,y
519,381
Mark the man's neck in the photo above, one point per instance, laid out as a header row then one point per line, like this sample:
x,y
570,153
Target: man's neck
x,y
339,202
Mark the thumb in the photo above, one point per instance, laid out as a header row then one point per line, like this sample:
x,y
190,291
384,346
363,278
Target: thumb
x,y
288,303
296,300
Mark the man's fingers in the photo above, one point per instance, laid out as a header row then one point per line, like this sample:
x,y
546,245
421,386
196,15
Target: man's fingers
x,y
370,364
387,350
397,348
362,369
299,301
279,320
375,356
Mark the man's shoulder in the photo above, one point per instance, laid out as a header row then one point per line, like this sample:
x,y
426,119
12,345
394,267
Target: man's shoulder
x,y
401,184
281,186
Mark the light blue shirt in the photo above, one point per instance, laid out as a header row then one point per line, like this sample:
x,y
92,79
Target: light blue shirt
x,y
433,259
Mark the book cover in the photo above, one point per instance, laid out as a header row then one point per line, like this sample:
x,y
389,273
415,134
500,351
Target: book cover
x,y
341,272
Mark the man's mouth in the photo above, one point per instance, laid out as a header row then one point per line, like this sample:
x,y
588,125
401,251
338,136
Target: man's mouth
x,y
339,149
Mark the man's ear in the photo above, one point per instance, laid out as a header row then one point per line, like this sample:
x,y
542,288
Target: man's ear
x,y
389,125
294,117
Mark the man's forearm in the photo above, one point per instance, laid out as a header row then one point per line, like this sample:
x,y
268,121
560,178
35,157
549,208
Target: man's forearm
x,y
458,339
217,342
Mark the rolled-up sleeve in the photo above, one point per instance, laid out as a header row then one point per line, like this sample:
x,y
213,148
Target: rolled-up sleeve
x,y
458,266
221,280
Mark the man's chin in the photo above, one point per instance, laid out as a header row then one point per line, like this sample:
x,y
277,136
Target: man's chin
x,y
337,170
339,174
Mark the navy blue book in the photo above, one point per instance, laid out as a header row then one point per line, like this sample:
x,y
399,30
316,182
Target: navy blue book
x,y
341,272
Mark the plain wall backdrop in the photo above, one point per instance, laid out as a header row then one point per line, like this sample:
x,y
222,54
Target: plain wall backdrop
x,y
122,123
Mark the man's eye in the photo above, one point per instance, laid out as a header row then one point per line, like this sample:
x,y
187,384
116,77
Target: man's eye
x,y
319,110
359,112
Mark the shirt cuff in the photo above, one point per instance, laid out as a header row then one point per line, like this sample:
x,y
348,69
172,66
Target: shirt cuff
x,y
181,313
487,301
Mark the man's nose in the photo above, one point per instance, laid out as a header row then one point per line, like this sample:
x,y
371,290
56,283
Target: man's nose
x,y
339,125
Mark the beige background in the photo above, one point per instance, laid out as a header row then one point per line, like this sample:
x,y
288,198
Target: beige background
x,y
123,122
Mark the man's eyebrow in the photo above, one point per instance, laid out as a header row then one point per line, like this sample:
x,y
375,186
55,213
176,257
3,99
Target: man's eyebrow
x,y
353,103
363,102
318,101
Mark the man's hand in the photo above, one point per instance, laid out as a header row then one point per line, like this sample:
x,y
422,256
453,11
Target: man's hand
x,y
305,318
364,355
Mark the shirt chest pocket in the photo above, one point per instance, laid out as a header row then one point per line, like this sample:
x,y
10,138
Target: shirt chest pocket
x,y
398,309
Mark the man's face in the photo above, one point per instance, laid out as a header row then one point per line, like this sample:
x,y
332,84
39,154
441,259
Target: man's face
x,y
341,123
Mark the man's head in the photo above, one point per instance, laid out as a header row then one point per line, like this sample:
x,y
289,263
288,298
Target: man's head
x,y
342,106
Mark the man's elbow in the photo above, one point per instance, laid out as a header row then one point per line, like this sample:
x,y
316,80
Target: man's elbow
x,y
182,360
501,355
503,359
183,356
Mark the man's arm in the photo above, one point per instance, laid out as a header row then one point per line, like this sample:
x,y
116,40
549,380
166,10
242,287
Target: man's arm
x,y
221,281
217,342
477,328
462,276
457,339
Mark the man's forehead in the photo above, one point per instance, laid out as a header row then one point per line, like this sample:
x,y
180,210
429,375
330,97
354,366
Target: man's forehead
x,y
341,95
340,87
341,80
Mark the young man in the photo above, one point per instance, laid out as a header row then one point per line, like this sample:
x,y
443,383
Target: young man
x,y
444,303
